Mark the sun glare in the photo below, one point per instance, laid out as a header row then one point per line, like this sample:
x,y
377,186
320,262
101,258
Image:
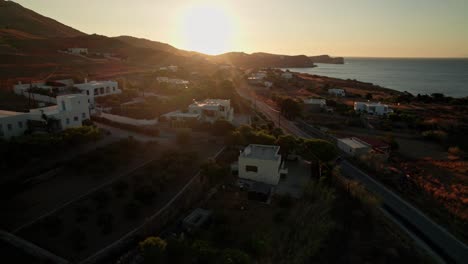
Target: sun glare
x,y
207,29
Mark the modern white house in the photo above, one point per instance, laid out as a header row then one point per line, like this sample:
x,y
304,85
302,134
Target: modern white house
x,y
337,92
261,163
353,146
372,108
78,51
70,111
268,84
286,75
211,110
314,105
62,87
95,89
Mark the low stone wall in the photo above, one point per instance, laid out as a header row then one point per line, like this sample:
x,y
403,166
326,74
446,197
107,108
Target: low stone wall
x,y
129,121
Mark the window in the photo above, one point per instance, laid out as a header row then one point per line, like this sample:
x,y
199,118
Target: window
x,y
113,89
83,115
96,92
68,121
107,89
1,130
63,106
9,127
101,90
20,124
87,92
251,168
75,118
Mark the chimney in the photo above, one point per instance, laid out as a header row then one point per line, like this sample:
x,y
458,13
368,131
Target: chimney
x,y
86,80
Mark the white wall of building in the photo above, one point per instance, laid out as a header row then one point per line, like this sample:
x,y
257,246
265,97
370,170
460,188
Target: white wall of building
x,y
372,108
211,110
95,89
353,146
267,170
13,124
337,92
129,121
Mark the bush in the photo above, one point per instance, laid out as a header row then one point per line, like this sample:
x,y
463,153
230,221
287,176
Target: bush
x,y
153,249
435,135
234,256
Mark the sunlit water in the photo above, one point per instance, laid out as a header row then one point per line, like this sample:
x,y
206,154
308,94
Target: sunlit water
x,y
423,76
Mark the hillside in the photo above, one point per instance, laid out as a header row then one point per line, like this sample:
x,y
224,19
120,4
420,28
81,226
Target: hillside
x,y
13,16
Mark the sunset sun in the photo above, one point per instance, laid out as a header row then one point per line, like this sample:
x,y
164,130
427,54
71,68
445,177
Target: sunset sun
x,y
207,29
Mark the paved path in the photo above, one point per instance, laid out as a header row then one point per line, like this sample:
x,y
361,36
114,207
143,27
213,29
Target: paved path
x,y
450,245
451,249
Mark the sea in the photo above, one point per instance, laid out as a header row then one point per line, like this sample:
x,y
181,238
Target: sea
x,y
417,76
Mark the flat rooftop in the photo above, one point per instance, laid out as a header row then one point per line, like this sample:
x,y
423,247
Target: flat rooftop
x,y
264,152
4,113
352,142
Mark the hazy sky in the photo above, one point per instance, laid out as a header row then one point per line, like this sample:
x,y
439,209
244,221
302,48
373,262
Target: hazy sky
x,y
372,28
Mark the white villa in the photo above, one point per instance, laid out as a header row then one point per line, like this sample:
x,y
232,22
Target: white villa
x,y
95,89
286,75
77,51
91,89
211,110
208,110
337,92
70,111
372,108
261,163
353,146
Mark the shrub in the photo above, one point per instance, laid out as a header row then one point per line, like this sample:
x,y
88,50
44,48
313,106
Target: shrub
x,y
435,135
234,256
152,249
455,151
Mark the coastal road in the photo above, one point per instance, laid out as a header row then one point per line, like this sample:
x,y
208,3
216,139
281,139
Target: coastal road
x,y
440,240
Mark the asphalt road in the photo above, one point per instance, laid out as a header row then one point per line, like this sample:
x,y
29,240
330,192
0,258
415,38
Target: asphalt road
x,y
451,249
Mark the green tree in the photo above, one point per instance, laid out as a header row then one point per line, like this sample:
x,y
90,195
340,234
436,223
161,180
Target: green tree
x,y
234,256
318,149
153,249
290,108
288,144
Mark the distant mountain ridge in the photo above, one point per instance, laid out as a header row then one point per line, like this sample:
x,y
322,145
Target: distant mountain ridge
x,y
28,39
13,16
